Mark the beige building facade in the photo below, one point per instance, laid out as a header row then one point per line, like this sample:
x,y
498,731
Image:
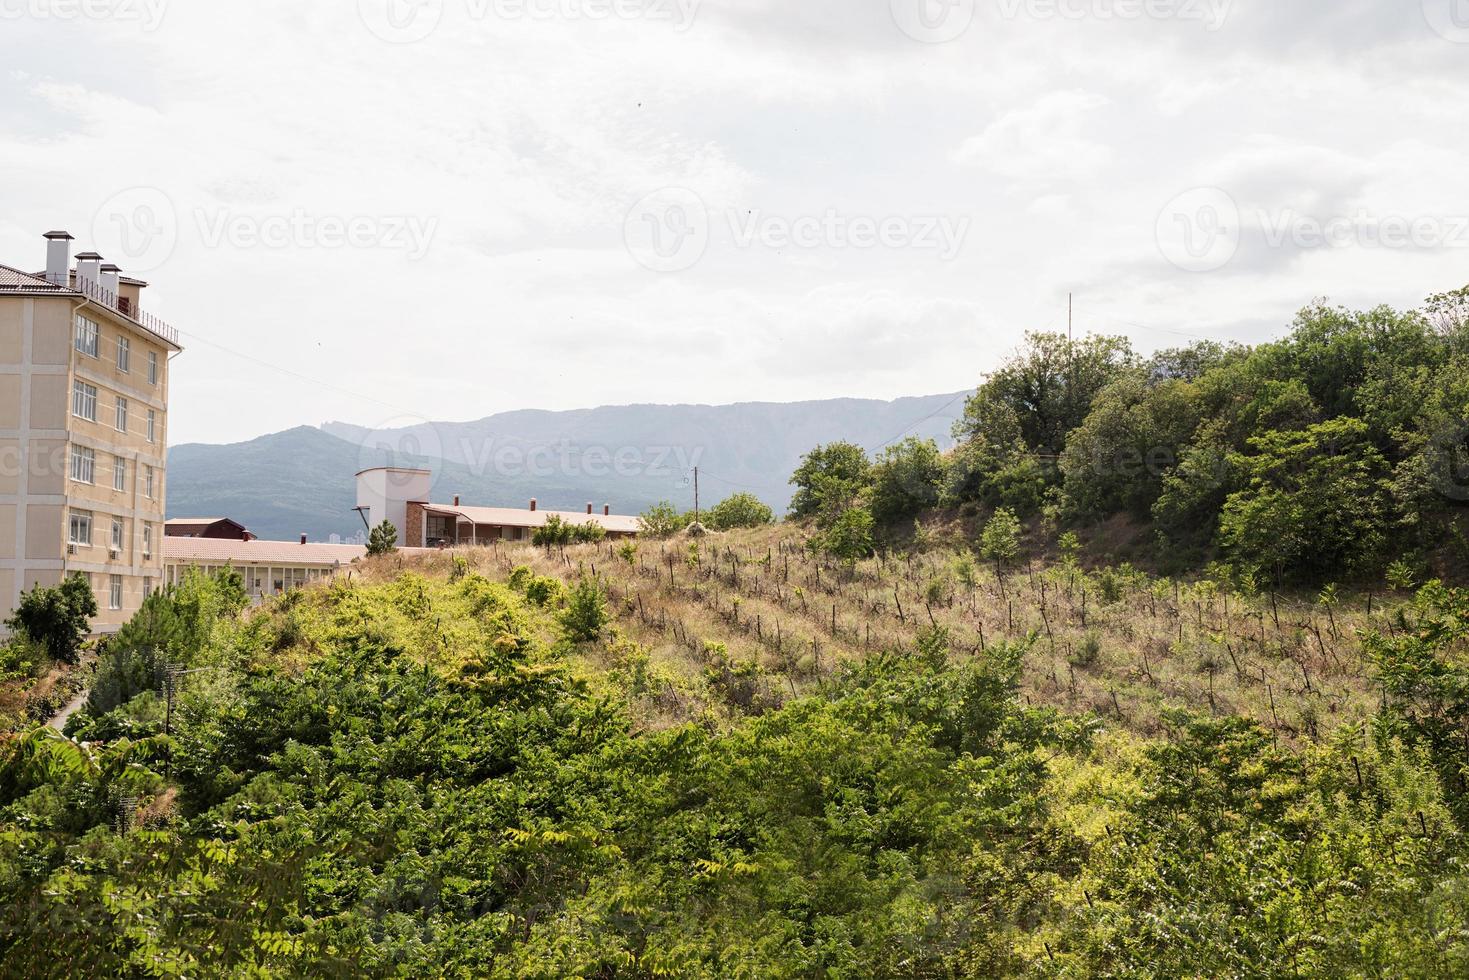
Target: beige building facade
x,y
83,432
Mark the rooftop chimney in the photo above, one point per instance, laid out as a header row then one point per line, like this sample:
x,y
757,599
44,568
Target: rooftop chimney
x,y
303,539
88,266
58,258
589,508
533,503
110,276
606,510
456,500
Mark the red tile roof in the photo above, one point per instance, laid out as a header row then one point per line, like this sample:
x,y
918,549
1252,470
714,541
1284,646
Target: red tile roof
x,y
228,551
514,517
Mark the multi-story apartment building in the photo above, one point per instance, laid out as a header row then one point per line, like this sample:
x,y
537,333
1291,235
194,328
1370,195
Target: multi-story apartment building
x,y
83,431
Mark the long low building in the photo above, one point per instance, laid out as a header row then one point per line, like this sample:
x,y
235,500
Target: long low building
x,y
268,567
401,496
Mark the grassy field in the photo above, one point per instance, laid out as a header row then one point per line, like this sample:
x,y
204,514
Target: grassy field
x,y
731,624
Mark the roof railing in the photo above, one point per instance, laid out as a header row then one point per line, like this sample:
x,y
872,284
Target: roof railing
x,y
128,308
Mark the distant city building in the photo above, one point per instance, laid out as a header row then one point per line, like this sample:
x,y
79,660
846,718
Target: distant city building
x,y
401,497
83,431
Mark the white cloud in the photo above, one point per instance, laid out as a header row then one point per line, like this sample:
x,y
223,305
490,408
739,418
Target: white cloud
x,y
1044,142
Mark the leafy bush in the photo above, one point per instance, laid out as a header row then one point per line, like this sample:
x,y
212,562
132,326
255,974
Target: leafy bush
x,y
740,510
585,615
58,618
662,520
383,540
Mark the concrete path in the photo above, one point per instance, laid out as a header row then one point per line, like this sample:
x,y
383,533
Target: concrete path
x,y
59,721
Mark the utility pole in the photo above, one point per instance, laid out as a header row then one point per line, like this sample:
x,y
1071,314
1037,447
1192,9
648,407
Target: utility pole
x,y
696,495
1069,307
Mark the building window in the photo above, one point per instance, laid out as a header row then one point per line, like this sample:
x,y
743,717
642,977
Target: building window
x,y
83,464
117,534
148,482
147,586
152,367
84,401
152,425
87,336
122,414
124,354
119,473
147,541
80,530
114,592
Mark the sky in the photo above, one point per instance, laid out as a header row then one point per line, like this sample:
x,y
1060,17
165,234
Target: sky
x,y
390,211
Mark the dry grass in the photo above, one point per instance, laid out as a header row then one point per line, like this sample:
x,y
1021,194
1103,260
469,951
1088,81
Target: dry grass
x,y
739,622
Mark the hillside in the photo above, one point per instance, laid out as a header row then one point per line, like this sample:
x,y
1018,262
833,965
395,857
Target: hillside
x,y
301,480
726,757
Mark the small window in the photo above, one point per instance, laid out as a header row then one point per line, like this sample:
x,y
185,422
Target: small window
x,y
147,586
147,541
119,473
148,482
86,339
114,592
117,534
152,367
124,354
84,401
80,529
83,464
152,425
122,414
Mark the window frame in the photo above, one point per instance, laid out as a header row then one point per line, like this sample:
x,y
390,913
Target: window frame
x,y
83,465
119,535
87,336
124,354
153,367
120,422
119,474
84,396
114,592
79,519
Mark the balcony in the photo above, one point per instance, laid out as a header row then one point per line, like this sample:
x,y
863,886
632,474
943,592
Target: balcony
x,y
118,304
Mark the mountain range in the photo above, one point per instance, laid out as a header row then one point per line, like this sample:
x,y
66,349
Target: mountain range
x,y
302,480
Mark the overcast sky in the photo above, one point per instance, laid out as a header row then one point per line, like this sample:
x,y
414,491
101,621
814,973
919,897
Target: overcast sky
x,y
386,210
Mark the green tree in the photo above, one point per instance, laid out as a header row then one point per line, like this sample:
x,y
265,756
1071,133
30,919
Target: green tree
x,y
662,520
57,618
1000,539
906,480
829,480
740,510
383,540
552,534
849,537
585,615
1313,503
1049,385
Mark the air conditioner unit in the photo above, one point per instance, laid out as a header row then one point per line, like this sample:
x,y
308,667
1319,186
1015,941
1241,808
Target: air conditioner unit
x,y
113,553
71,549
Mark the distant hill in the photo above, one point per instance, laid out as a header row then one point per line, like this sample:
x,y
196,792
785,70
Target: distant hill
x,y
302,480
